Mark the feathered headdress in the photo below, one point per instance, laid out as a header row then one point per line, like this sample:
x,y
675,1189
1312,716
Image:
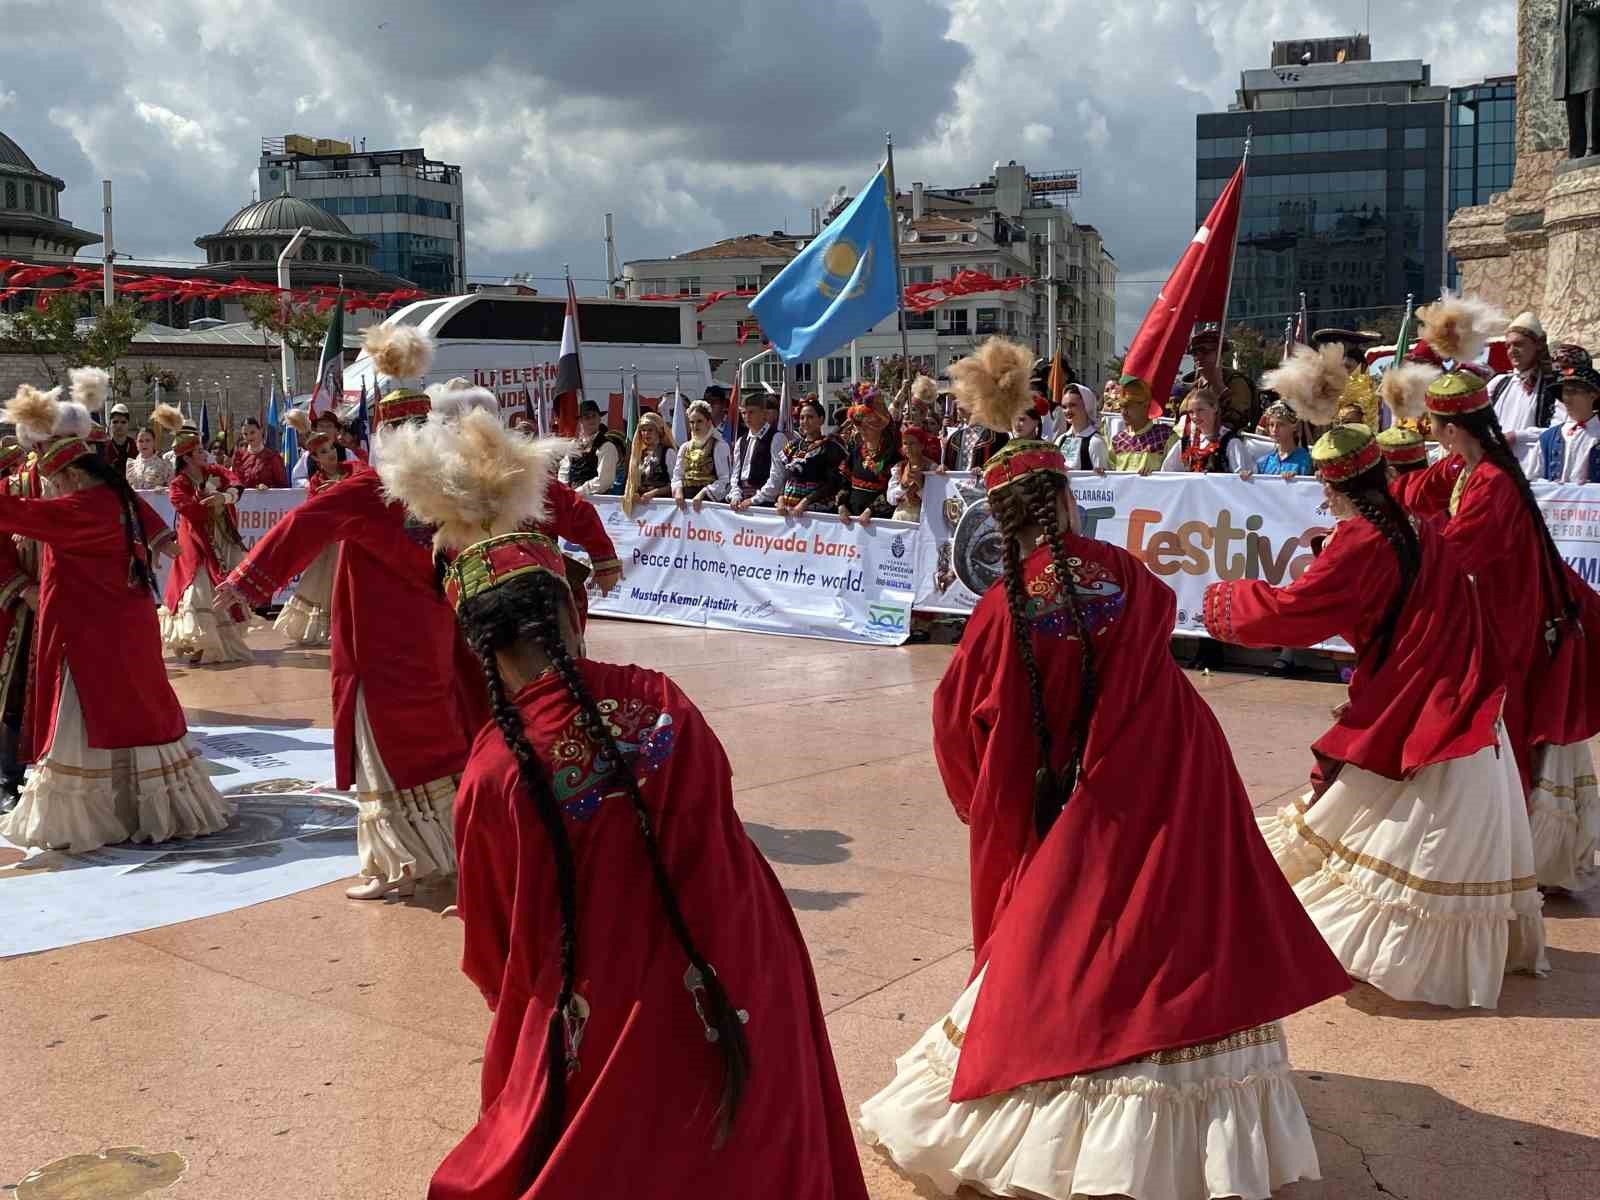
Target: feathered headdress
x,y
1405,389
471,479
454,398
167,418
399,351
1459,327
297,420
1312,382
992,383
33,412
90,387
924,390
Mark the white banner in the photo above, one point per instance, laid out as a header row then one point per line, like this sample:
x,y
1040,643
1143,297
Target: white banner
x,y
762,573
1190,530
256,512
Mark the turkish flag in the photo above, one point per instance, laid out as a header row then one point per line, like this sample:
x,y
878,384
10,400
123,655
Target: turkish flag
x,y
569,369
1197,290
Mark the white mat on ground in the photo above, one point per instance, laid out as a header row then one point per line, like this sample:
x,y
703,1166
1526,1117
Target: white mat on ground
x,y
289,832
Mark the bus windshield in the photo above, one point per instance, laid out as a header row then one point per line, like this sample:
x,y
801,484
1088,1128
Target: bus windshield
x,y
539,320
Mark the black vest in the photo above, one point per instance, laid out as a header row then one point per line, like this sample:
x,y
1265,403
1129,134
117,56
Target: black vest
x,y
759,467
581,468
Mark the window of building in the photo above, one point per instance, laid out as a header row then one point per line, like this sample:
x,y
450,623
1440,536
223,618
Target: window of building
x,y
1011,320
227,254
909,275
1416,139
247,252
309,254
988,321
953,320
920,320
804,372
746,283
688,285
27,196
652,287
839,369
11,194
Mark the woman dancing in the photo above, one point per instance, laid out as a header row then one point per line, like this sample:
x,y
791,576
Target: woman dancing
x,y
113,760
304,620
599,849
1135,945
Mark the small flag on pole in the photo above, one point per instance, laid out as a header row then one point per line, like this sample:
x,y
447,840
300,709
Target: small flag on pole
x,y
361,415
205,423
569,370
330,367
630,408
785,417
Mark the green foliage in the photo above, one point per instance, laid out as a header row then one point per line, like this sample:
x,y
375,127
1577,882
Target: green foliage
x,y
53,333
1252,352
301,327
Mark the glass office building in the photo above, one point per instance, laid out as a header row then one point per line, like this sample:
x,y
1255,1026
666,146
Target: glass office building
x,y
1344,197
1483,143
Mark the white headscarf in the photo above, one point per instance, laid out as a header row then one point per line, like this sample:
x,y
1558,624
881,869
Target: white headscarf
x,y
1091,402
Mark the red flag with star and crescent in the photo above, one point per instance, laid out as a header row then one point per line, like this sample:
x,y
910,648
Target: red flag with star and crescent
x,y
1196,291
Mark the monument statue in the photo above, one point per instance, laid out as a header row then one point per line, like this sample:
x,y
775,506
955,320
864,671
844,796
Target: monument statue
x,y
1576,65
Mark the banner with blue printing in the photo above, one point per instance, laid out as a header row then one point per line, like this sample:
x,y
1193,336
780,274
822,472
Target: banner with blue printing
x,y
840,285
760,572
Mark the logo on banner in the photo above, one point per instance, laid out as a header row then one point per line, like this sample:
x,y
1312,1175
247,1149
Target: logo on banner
x,y
886,618
898,546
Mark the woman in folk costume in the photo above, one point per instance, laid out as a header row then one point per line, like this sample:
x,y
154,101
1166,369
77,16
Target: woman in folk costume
x,y
1411,851
703,463
869,459
305,619
599,851
921,450
193,625
1546,615
1135,949
19,596
255,465
1206,445
811,463
399,736
650,462
1079,438
113,760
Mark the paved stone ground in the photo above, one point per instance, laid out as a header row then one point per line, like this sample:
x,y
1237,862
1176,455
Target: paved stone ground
x,y
317,1047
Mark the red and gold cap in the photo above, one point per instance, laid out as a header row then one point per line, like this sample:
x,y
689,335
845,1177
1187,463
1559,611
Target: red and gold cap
x,y
319,439
485,565
402,404
59,454
187,442
1344,452
1457,393
11,456
1402,447
1019,458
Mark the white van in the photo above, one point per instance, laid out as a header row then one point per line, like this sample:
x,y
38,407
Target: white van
x,y
510,343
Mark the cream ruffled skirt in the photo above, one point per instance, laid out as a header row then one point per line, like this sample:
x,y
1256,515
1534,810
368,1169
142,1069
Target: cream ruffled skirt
x,y
304,620
400,827
1564,812
82,798
200,628
1422,887
1219,1119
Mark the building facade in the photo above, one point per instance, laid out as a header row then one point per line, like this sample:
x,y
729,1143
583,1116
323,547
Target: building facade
x,y
1345,191
1003,227
407,204
1483,144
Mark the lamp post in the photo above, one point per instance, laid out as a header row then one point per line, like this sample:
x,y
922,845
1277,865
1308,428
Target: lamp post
x,y
289,252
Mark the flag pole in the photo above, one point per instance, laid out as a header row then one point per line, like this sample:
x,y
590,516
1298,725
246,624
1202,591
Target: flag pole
x,y
1233,251
894,231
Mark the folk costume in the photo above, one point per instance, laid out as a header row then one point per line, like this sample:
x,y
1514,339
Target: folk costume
x,y
1403,449
1195,452
1569,452
811,469
1527,403
113,760
905,483
1146,450
597,466
263,468
193,626
757,468
1083,450
1120,1032
399,736
151,474
969,446
1359,391
649,469
596,815
18,573
866,471
1411,850
306,619
702,465
1237,403
1552,652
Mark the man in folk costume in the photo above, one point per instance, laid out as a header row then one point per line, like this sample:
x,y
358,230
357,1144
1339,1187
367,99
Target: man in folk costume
x,y
122,446
757,475
1569,452
598,463
1236,394
1359,391
1527,398
970,445
113,760
1120,975
1142,443
399,735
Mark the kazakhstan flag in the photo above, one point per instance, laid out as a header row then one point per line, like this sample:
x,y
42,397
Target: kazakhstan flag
x,y
839,286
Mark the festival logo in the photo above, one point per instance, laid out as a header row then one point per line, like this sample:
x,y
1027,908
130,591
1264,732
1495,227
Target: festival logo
x,y
886,618
898,546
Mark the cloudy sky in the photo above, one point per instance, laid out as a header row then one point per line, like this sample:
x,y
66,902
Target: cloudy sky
x,y
691,120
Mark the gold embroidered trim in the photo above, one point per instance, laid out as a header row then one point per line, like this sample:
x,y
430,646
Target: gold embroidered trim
x,y
62,768
1431,887
1580,783
1260,1035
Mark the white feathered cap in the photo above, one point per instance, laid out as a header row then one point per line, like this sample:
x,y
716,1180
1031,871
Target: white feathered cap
x,y
90,387
454,398
34,412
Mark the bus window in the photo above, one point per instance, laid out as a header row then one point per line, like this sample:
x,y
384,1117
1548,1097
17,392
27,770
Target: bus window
x,y
489,319
418,313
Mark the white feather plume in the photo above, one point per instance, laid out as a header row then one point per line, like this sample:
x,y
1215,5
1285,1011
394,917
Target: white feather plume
x,y
33,411
399,351
1405,389
1459,327
451,403
90,387
1312,381
72,420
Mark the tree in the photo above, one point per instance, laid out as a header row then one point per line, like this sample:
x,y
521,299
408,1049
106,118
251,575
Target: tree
x,y
302,328
53,332
1252,353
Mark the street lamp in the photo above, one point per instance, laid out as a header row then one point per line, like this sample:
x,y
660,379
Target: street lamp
x,y
283,286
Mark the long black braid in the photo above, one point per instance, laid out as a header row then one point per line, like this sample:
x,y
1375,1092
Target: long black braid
x,y
1484,425
141,565
1032,500
1370,495
531,609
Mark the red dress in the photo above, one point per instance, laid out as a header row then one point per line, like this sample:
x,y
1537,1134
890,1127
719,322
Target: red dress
x,y
393,635
639,1109
1152,915
259,468
1439,693
200,528
1553,699
91,622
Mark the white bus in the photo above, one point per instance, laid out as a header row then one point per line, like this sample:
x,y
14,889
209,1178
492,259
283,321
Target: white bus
x,y
510,343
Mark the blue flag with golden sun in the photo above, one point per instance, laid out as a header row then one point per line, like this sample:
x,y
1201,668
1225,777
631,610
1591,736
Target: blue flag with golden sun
x,y
839,286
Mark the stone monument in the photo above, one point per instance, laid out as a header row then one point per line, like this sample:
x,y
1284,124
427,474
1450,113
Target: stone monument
x,y
1537,247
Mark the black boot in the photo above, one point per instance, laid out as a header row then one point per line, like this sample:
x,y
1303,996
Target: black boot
x,y
10,793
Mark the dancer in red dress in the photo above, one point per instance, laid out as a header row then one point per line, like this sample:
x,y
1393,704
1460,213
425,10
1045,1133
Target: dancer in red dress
x,y
203,495
1135,944
306,619
1547,617
399,736
113,761
600,858
19,596
254,465
1411,852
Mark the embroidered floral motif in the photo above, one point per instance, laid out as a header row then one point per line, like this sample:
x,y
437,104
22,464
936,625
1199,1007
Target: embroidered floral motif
x,y
582,768
1100,599
1152,439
